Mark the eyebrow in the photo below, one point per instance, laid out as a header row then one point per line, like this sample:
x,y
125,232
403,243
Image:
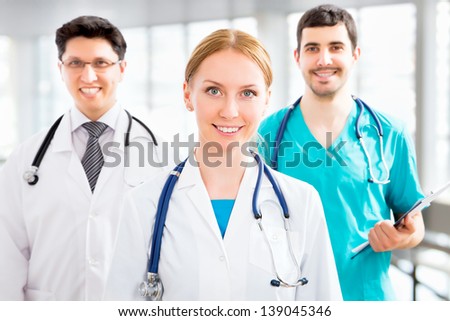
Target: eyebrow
x,y
219,84
95,58
315,44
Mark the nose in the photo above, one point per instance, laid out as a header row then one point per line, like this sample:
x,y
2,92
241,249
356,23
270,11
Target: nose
x,y
88,74
324,58
230,109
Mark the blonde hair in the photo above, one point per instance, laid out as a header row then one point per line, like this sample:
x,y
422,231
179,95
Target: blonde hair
x,y
230,39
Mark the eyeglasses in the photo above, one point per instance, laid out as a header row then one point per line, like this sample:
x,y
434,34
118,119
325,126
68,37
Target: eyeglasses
x,y
99,65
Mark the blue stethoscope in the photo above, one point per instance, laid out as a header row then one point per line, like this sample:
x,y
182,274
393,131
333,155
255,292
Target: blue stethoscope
x,y
362,106
31,175
152,287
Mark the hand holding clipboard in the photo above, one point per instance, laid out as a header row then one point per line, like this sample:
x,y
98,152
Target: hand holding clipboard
x,y
420,205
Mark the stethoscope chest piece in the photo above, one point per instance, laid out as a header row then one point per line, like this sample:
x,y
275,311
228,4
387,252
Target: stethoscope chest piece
x,y
152,288
30,175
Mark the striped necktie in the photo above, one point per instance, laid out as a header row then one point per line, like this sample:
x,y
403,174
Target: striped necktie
x,y
92,160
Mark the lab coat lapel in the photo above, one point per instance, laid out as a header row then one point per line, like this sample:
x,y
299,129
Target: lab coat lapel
x,y
242,214
196,192
62,143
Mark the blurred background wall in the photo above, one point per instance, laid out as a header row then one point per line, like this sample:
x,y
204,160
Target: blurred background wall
x,y
404,71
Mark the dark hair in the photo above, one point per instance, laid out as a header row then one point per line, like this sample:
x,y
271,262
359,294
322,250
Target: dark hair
x,y
327,16
90,27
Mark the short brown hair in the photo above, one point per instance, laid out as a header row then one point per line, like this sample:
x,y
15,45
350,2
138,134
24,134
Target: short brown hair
x,y
327,16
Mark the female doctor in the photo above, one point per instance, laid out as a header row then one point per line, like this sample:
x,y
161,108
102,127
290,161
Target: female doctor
x,y
214,246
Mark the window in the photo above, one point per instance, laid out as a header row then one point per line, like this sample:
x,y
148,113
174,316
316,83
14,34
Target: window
x,y
8,121
387,66
443,95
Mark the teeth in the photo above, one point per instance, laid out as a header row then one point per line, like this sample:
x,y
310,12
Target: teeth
x,y
228,129
90,91
325,74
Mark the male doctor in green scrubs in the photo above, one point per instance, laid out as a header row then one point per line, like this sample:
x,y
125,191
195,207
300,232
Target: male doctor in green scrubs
x,y
319,146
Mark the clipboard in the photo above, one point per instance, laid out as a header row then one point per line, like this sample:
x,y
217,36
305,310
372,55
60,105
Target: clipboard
x,y
418,206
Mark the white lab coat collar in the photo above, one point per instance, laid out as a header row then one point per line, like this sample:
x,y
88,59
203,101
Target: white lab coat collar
x,y
194,189
62,141
191,176
73,118
110,118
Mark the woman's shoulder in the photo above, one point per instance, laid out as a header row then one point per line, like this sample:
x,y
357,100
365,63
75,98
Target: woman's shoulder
x,y
151,187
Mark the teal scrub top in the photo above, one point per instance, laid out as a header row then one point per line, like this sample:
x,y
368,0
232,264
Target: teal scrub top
x,y
352,205
222,210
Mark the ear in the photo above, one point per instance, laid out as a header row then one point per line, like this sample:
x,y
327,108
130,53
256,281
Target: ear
x,y
297,56
268,94
356,54
122,66
60,66
187,96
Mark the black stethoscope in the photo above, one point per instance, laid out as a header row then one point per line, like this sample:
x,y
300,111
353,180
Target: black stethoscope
x,y
362,105
31,175
153,288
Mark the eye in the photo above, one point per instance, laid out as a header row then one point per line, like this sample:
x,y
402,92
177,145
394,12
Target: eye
x,y
311,49
100,63
74,63
248,93
337,48
213,91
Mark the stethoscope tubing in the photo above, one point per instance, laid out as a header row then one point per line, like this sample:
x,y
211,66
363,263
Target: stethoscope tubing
x,y
153,281
161,214
31,175
262,168
362,106
280,133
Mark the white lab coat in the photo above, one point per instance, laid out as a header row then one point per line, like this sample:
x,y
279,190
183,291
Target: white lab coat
x,y
197,264
56,238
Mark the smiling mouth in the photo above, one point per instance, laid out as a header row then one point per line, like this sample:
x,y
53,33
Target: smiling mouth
x,y
90,90
325,73
228,129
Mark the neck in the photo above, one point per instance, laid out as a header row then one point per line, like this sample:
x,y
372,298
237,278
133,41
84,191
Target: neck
x,y
222,175
326,115
328,108
94,113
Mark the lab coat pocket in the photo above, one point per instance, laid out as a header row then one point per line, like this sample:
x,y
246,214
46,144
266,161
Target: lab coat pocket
x,y
38,295
139,167
277,241
135,176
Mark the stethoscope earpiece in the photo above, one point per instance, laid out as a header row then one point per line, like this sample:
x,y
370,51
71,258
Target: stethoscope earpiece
x,y
275,283
278,283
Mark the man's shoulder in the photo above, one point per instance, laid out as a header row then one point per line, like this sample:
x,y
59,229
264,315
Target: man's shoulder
x,y
389,122
273,121
31,143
